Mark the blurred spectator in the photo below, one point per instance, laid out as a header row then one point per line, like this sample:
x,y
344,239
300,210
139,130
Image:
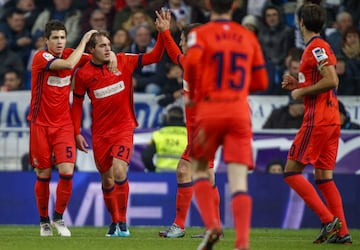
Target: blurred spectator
x,y
346,86
181,10
39,43
107,7
12,81
167,143
353,7
8,58
276,39
343,22
275,166
18,37
124,14
97,21
64,12
251,23
121,41
350,49
29,7
288,116
345,119
136,19
172,91
239,11
256,7
147,79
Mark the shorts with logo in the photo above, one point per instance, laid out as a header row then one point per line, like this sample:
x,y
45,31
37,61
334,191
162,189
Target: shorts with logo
x,y
51,145
317,145
106,147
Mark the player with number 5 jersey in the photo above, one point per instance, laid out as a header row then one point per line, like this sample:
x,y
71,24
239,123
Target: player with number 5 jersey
x,y
223,64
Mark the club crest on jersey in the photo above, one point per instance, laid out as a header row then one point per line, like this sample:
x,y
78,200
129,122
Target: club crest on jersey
x,y
191,39
319,54
47,56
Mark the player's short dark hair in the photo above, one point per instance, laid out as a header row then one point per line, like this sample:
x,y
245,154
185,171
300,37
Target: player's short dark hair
x,y
53,25
221,6
314,17
93,39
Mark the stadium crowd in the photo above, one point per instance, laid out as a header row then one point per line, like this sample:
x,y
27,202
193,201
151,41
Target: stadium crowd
x,y
131,25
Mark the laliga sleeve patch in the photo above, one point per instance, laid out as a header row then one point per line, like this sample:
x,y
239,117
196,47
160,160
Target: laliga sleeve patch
x,y
47,56
191,39
319,54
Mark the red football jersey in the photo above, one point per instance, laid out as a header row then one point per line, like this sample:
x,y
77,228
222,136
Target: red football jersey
x,y
109,94
50,90
321,109
234,67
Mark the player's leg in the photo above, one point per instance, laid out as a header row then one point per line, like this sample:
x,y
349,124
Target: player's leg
x,y
122,193
40,158
183,199
241,203
326,184
64,154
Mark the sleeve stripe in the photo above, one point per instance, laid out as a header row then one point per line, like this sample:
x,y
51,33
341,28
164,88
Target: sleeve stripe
x,y
258,67
78,96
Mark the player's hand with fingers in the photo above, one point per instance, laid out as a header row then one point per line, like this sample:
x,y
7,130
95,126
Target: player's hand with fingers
x,y
81,143
87,35
163,19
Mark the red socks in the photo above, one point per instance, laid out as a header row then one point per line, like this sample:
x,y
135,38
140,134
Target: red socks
x,y
309,194
203,193
216,196
183,199
241,204
42,193
111,203
122,193
63,193
334,202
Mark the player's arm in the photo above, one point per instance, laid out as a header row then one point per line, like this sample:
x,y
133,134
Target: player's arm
x,y
163,23
76,114
191,63
74,58
328,81
259,79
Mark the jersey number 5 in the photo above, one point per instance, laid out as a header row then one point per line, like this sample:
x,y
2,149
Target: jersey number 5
x,y
237,83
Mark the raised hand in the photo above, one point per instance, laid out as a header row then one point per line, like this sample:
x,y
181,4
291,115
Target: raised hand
x,y
289,82
87,35
163,19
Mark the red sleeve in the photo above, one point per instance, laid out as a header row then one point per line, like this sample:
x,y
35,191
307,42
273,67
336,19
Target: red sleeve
x,y
84,59
171,47
191,64
76,108
259,79
155,54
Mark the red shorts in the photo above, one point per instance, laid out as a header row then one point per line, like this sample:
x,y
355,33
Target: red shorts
x,y
51,145
231,133
317,146
106,147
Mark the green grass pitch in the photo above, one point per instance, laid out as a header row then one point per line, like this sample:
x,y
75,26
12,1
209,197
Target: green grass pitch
x,y
20,237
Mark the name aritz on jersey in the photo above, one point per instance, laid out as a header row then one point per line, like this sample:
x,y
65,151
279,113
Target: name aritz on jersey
x,y
109,90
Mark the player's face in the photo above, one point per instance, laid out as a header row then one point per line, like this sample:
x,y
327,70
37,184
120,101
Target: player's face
x,y
56,42
101,52
183,44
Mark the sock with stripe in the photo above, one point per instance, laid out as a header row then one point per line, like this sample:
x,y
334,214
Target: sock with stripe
x,y
203,194
63,193
241,204
334,202
122,192
183,200
42,193
309,194
111,203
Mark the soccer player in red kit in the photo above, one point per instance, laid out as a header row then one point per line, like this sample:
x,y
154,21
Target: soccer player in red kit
x,y
223,64
317,140
183,171
113,119
51,128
